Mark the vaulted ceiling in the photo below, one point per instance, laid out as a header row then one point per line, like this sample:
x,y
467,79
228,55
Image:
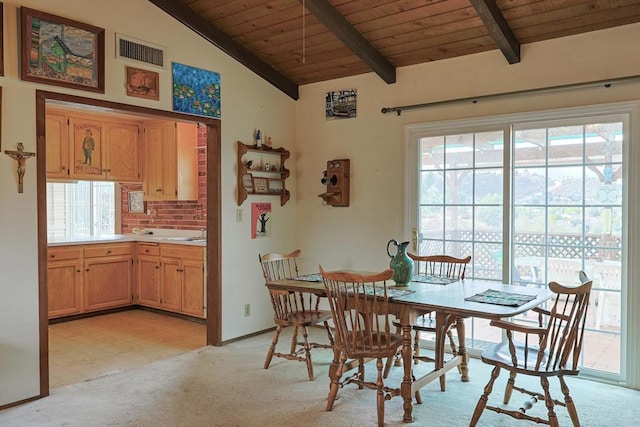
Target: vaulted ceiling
x,y
295,42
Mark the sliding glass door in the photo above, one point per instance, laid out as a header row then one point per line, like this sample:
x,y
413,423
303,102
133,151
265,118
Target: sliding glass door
x,y
531,201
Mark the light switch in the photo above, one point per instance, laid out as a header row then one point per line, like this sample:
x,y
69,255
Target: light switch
x,y
238,215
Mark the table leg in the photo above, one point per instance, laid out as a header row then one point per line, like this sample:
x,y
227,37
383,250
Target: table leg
x,y
407,380
462,349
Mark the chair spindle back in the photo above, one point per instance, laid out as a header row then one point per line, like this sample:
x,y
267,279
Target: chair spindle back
x,y
440,265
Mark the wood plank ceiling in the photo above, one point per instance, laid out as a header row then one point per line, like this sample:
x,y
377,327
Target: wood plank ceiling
x,y
297,42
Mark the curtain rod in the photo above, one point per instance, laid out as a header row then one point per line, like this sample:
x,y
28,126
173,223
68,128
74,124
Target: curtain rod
x,y
551,89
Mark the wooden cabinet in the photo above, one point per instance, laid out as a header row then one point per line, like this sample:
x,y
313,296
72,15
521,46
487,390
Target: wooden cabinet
x,y
170,161
261,171
148,274
64,280
182,279
121,152
83,278
107,276
57,143
92,147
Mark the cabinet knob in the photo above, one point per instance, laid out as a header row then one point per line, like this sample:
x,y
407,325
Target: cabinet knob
x,y
87,269
53,256
78,271
146,250
108,252
158,189
63,168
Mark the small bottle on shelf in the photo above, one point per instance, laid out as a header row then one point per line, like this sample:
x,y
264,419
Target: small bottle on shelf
x,y
259,139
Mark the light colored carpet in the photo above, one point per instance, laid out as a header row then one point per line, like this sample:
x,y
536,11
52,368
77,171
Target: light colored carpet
x,y
227,387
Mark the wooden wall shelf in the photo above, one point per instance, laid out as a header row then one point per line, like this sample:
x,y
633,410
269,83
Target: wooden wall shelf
x,y
261,172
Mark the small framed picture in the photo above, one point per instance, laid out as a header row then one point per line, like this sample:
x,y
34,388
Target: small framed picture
x,y
276,185
143,83
136,202
247,182
260,185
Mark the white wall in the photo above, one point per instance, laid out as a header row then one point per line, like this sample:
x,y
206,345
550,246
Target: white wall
x,y
248,102
356,237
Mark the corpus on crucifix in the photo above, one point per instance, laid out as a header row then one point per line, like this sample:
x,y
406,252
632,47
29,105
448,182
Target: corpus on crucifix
x,y
21,157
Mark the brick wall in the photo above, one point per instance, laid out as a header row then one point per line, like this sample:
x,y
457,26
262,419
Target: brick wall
x,y
177,215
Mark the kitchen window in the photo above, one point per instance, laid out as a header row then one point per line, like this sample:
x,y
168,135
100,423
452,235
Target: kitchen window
x,y
80,209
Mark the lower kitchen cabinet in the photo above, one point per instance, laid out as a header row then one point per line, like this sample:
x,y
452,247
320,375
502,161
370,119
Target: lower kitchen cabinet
x,y
182,279
148,274
64,279
107,282
86,278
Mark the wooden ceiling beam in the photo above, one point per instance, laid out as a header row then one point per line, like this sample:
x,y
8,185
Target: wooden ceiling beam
x,y
209,32
492,17
326,13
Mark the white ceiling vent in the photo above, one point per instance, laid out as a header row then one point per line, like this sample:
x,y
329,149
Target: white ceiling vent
x,y
128,48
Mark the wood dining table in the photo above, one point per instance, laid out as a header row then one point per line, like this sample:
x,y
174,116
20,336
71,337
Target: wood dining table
x,y
449,303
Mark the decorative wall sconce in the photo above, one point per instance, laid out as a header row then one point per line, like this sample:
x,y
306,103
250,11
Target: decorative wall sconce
x,y
20,156
336,178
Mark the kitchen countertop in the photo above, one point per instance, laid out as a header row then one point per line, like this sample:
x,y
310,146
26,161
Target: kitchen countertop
x,y
114,238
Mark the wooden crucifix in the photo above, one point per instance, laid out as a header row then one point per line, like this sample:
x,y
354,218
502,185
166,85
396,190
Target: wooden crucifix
x,y
21,157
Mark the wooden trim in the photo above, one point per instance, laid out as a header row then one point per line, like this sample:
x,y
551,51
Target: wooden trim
x,y
214,222
209,32
492,18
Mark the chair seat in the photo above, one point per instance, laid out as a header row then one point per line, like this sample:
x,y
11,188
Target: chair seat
x,y
500,355
374,347
308,318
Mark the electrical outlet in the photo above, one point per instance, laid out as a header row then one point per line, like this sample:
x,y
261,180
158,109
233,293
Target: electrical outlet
x,y
247,310
238,215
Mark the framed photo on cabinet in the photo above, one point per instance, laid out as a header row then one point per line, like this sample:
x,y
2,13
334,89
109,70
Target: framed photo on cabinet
x,y
276,185
247,182
61,52
260,185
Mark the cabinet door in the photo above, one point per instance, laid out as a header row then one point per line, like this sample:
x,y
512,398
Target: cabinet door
x,y
148,280
64,281
158,137
107,282
193,288
121,152
86,148
57,146
171,288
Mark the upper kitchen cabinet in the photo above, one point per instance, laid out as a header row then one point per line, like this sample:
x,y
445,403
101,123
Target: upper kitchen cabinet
x,y
92,147
170,161
57,137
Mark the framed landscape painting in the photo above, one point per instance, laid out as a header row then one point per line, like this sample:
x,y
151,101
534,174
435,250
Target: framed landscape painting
x,y
61,52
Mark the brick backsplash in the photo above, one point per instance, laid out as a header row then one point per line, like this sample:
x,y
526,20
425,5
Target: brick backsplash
x,y
175,215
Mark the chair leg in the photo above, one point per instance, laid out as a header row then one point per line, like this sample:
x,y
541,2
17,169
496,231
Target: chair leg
x,y
571,407
307,352
553,419
482,402
329,334
272,349
335,379
416,347
294,340
509,389
387,366
380,394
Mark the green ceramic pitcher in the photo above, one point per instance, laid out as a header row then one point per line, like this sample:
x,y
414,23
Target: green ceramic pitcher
x,y
401,264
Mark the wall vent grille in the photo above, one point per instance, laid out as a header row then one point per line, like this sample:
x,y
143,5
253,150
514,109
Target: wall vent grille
x,y
138,50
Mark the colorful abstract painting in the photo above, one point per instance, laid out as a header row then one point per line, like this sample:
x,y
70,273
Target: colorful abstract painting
x,y
196,91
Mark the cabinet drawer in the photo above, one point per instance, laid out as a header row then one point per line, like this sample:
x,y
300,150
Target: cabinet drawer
x,y
147,249
182,251
92,251
63,253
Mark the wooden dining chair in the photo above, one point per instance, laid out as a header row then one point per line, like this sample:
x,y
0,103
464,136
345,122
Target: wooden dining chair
x,y
296,309
439,266
360,309
550,349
